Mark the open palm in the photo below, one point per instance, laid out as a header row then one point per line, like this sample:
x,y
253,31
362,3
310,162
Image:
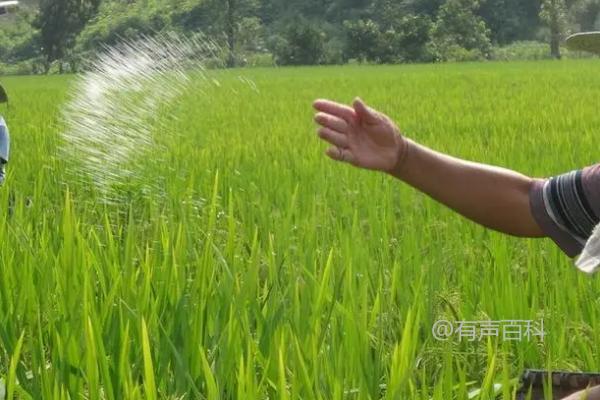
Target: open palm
x,y
360,135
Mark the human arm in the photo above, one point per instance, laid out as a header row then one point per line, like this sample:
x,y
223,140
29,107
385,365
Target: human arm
x,y
494,197
497,198
592,393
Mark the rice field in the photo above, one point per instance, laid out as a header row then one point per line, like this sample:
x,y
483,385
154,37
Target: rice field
x,y
261,269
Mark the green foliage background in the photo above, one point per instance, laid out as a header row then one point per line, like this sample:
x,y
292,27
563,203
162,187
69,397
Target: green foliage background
x,y
55,35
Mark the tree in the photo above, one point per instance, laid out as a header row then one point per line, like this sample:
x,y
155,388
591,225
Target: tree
x,y
218,17
404,40
412,38
250,35
382,31
59,22
510,20
387,13
362,38
231,29
459,33
116,21
18,41
423,7
554,14
302,44
585,14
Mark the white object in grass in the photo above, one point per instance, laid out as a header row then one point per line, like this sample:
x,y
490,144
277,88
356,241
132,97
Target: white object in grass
x,y
589,260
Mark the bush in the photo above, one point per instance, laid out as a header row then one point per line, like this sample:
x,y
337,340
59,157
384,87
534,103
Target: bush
x,y
257,60
452,52
334,52
403,41
531,50
27,67
523,50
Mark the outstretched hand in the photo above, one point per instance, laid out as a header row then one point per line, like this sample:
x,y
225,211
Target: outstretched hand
x,y
360,135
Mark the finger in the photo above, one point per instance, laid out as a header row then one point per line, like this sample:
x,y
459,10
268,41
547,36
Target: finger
x,y
364,112
339,110
330,121
333,137
339,154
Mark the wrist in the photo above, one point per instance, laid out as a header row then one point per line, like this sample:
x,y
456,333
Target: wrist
x,y
403,148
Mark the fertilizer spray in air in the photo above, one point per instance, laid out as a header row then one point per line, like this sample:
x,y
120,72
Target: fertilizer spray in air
x,y
111,117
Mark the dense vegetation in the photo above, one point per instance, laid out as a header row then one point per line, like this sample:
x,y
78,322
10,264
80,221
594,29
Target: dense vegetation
x,y
58,33
268,271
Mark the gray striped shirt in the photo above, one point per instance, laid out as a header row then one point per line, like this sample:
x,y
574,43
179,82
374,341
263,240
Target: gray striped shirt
x,y
567,207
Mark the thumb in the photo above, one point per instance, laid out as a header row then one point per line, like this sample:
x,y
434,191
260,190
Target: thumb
x,y
365,113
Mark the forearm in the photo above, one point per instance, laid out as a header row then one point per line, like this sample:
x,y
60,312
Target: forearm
x,y
494,197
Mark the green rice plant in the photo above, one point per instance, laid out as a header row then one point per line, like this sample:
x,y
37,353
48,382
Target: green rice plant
x,y
264,270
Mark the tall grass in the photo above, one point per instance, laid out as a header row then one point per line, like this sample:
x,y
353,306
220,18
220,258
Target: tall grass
x,y
267,271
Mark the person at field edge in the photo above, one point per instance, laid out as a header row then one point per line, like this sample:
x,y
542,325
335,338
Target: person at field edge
x,y
4,143
565,208
4,140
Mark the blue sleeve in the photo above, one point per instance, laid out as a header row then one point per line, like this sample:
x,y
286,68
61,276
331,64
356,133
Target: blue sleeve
x,y
4,141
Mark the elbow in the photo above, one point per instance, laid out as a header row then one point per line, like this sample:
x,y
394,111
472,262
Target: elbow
x,y
527,224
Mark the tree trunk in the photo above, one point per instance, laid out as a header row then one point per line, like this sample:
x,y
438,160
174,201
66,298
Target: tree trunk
x,y
47,66
230,31
555,46
555,38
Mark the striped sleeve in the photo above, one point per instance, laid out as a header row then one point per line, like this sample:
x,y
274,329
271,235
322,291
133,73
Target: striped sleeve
x,y
567,207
